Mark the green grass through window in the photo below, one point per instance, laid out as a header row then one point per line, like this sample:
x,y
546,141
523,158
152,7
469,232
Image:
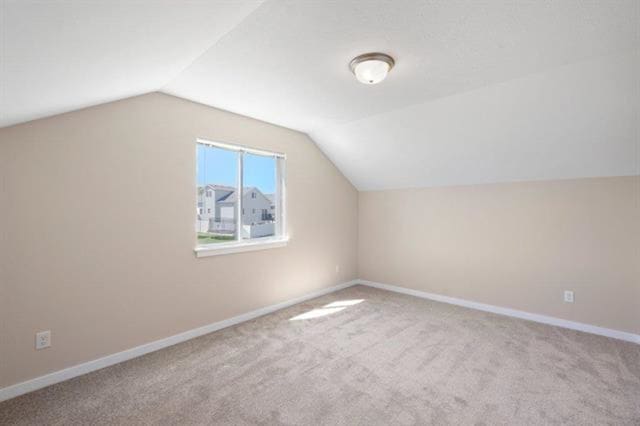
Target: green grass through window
x,y
206,238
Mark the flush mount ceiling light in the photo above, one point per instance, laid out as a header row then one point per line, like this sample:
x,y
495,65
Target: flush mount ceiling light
x,y
371,68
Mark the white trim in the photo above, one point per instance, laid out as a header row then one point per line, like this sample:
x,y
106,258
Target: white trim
x,y
558,322
87,367
217,249
240,148
239,196
281,197
280,238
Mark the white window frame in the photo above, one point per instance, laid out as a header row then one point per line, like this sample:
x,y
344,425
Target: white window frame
x,y
280,238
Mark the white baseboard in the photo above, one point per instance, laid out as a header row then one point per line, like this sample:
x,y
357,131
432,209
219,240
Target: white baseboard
x,y
587,328
87,367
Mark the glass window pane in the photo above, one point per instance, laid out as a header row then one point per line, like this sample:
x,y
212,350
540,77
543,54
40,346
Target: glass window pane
x,y
259,196
217,175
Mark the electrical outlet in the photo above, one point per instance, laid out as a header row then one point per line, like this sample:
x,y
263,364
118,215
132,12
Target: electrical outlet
x,y
43,339
337,269
568,296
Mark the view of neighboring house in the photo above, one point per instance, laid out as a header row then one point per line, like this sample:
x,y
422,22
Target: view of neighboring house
x,y
217,211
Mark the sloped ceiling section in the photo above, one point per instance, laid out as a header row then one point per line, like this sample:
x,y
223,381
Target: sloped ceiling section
x,y
482,91
578,120
58,56
287,62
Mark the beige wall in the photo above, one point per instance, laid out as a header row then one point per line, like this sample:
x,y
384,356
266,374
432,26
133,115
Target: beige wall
x,y
98,218
517,245
86,253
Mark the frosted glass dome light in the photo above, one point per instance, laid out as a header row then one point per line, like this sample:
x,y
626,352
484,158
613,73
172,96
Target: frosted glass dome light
x,y
371,68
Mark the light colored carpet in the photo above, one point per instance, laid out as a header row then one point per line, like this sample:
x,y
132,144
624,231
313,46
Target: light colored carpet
x,y
389,359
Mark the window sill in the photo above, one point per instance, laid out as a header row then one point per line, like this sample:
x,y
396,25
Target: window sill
x,y
239,247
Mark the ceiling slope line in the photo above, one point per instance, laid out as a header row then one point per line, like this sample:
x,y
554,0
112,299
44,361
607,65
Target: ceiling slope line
x,y
478,88
208,48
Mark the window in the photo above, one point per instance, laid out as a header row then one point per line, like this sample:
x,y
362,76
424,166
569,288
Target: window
x,y
232,180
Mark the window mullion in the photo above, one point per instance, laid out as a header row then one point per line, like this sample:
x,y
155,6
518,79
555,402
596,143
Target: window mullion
x,y
280,198
239,196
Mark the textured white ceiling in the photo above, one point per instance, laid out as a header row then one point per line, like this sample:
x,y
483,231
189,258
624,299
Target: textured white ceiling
x,y
57,56
578,120
482,91
286,63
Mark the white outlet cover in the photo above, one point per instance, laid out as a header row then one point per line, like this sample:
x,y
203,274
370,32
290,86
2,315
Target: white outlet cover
x,y
568,296
43,339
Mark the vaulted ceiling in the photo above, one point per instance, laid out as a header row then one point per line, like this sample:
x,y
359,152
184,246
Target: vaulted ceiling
x,y
57,56
482,91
